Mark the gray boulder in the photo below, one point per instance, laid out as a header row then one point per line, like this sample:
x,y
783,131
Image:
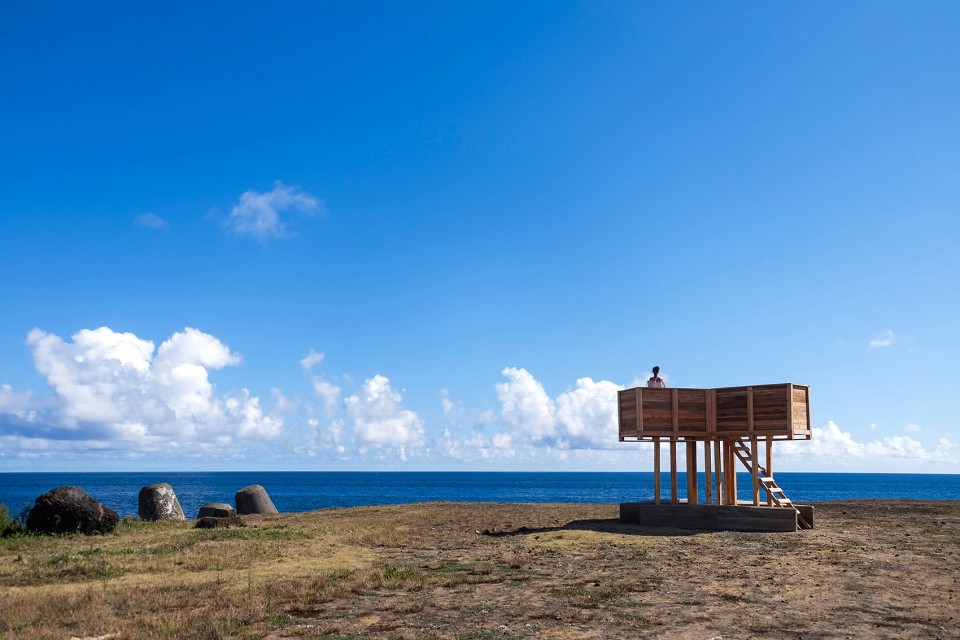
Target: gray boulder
x,y
254,500
70,510
216,510
159,502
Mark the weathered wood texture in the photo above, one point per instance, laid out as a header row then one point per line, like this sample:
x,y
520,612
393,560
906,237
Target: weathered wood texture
x,y
711,517
780,411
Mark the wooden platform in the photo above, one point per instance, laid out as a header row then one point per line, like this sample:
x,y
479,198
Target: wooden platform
x,y
714,517
779,411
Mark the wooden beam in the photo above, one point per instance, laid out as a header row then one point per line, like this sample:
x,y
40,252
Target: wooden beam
x,y
710,409
755,471
693,496
639,399
769,466
707,476
656,471
673,471
718,471
790,429
675,396
730,475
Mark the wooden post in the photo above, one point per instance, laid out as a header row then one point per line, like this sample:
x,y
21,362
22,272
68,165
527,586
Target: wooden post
x,y
769,467
730,475
675,397
656,471
639,399
733,476
755,471
673,471
707,476
718,471
693,496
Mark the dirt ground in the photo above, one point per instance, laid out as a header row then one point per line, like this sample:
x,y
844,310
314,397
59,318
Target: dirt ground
x,y
869,569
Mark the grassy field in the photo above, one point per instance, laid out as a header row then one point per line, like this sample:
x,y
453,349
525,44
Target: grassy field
x,y
489,571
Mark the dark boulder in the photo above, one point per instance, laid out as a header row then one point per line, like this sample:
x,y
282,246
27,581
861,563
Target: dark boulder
x,y
70,510
159,502
254,500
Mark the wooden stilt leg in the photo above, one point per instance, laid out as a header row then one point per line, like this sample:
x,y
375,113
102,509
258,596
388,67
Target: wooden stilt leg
x,y
673,471
707,476
718,471
732,458
755,471
692,491
769,467
656,471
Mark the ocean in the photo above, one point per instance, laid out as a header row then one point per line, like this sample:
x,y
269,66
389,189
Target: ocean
x,y
310,490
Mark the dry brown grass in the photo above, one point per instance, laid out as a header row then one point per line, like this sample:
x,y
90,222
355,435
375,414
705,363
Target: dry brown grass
x,y
168,580
543,571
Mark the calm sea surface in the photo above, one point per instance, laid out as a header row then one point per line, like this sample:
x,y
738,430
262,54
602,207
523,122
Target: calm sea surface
x,y
309,490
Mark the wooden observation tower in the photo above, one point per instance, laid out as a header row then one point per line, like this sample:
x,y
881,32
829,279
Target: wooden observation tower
x,y
732,423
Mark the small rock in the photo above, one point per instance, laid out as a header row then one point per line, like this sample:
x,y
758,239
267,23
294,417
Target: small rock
x,y
216,510
210,522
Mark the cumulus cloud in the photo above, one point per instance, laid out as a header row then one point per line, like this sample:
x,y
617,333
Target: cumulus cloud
x,y
830,442
582,417
151,221
111,386
262,215
587,414
379,419
882,339
527,409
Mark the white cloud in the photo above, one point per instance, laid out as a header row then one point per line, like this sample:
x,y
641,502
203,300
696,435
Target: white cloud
x,y
379,419
151,221
312,359
882,339
831,443
587,414
12,401
582,417
527,409
110,386
261,215
913,428
328,393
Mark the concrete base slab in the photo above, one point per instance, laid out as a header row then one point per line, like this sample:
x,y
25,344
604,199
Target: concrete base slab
x,y
703,517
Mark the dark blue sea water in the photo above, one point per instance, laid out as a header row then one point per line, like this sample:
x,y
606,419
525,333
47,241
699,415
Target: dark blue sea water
x,y
309,490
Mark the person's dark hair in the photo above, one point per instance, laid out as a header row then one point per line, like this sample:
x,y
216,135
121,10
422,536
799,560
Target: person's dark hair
x,y
656,371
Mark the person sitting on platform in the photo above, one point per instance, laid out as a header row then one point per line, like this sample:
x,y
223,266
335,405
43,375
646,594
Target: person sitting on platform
x,y
655,381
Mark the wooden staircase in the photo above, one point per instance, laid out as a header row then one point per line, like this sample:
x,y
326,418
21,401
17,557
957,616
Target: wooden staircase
x,y
767,483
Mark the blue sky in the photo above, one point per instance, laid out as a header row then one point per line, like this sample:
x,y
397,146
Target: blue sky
x,y
441,235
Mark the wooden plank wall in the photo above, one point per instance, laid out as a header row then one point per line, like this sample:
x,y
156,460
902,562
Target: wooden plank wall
x,y
780,410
